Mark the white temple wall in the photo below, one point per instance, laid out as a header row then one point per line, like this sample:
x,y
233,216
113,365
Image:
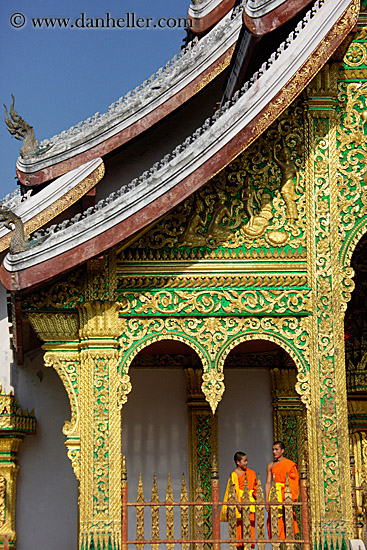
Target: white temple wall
x,y
155,434
47,492
245,424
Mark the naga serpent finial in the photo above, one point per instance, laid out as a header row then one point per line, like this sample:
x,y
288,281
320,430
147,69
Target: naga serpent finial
x,y
21,130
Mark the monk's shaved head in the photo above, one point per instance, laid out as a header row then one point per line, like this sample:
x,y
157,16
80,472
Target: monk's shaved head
x,y
237,456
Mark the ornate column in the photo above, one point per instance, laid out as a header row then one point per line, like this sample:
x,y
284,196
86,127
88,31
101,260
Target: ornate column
x,y
100,427
14,425
203,442
83,349
327,423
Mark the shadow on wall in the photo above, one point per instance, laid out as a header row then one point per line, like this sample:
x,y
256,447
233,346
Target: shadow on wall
x,y
47,491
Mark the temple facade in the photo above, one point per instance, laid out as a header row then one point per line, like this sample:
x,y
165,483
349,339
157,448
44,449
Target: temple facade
x,y
184,277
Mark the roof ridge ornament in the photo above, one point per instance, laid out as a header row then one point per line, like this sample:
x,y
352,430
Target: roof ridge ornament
x,y
21,130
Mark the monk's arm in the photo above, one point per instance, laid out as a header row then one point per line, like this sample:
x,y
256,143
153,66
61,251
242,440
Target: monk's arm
x,y
268,486
293,477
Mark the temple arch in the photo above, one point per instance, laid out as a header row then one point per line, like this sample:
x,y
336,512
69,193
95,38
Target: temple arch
x,y
292,348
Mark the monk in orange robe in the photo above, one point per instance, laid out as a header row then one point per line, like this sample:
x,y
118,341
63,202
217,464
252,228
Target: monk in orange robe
x,y
238,479
278,470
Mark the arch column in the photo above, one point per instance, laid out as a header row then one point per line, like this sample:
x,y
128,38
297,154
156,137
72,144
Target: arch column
x,y
328,426
83,348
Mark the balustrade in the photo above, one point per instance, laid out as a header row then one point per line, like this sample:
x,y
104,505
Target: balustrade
x,y
162,512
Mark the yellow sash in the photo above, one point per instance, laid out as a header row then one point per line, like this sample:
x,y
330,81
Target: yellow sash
x,y
239,493
278,486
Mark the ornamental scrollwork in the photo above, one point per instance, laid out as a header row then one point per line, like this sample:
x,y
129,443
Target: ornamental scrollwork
x,y
220,302
352,153
64,294
212,338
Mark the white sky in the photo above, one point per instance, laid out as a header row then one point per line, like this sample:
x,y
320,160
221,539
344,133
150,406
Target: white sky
x,y
60,77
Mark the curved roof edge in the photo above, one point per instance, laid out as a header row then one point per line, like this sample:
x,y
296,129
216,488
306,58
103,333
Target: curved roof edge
x,y
204,14
217,143
158,96
262,17
54,199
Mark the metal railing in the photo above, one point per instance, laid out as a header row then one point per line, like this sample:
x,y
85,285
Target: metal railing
x,y
285,511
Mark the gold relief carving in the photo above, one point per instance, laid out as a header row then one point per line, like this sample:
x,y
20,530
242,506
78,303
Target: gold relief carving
x,y
212,281
356,54
74,456
353,74
61,295
258,196
14,425
347,286
2,501
100,439
60,327
328,440
67,366
100,425
352,165
99,319
9,447
62,204
209,302
213,338
101,278
12,419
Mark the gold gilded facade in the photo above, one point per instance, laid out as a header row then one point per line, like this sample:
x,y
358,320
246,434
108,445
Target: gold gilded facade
x,y
262,252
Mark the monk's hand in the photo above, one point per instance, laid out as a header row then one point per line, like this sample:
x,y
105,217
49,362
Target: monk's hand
x,y
267,508
239,507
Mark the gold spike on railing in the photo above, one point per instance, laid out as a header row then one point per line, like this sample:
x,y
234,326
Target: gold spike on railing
x,y
231,513
246,525
155,514
260,514
140,511
199,515
184,516
169,515
288,514
274,512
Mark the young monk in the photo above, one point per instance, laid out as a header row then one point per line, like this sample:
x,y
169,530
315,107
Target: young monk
x,y
238,479
278,470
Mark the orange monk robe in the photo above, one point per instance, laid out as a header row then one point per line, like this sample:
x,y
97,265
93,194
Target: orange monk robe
x,y
239,485
279,474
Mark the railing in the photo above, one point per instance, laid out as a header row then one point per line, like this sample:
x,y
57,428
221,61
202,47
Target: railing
x,y
4,542
286,510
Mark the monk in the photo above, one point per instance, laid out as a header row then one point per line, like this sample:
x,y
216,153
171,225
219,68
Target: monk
x,y
238,479
278,470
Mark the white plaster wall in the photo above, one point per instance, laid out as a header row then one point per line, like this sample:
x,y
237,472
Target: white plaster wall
x,y
245,424
154,434
6,353
46,514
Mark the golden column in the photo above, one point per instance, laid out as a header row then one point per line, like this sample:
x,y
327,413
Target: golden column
x,y
327,421
14,425
100,427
